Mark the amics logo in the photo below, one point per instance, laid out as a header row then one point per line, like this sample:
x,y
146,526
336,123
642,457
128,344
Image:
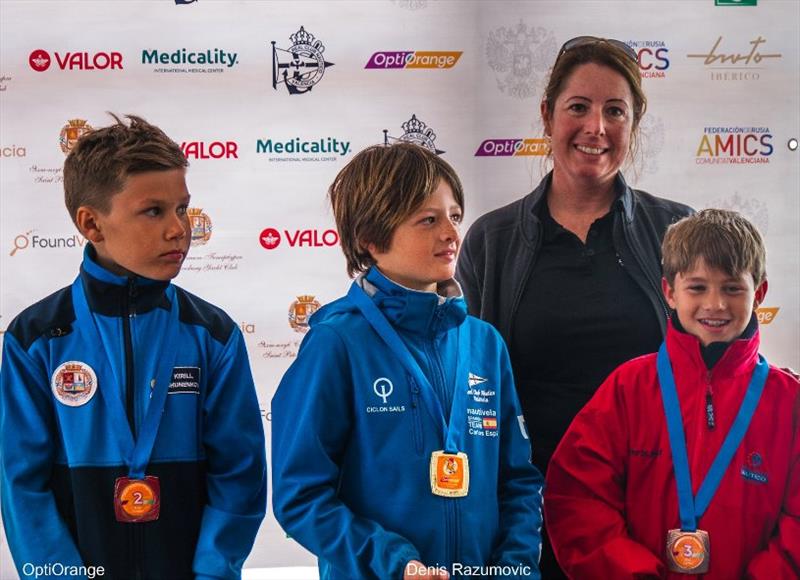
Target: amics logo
x,y
40,60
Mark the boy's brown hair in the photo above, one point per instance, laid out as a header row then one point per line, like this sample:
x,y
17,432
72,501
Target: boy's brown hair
x,y
724,239
101,160
378,190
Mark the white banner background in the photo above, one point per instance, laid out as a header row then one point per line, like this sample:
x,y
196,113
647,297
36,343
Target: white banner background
x,y
492,92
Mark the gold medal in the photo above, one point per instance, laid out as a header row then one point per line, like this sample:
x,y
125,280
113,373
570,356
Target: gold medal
x,y
688,552
449,474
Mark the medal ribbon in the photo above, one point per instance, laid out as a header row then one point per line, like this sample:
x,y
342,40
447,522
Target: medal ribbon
x,y
135,454
691,508
452,432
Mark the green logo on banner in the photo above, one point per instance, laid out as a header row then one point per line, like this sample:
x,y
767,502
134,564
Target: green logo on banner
x,y
735,2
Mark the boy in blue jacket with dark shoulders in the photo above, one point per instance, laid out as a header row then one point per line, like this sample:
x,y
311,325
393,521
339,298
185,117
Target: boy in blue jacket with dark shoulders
x,y
131,437
399,448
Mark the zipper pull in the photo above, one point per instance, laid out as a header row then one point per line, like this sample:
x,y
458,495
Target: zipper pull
x,y
131,298
709,404
619,260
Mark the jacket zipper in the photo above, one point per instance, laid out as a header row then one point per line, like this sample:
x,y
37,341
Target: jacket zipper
x,y
415,413
710,420
136,539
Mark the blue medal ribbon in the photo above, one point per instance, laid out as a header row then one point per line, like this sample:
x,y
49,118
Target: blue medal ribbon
x,y
135,454
452,432
692,508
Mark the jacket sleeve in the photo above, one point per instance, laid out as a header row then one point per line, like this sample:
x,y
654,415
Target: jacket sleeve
x,y
34,529
311,422
519,485
584,497
236,476
781,559
466,274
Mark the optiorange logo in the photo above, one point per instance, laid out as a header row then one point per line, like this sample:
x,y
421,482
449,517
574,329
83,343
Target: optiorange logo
x,y
767,315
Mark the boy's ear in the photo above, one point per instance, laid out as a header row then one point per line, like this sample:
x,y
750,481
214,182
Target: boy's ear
x,y
669,293
86,218
761,292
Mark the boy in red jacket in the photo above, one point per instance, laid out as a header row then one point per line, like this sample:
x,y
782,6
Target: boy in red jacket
x,y
688,461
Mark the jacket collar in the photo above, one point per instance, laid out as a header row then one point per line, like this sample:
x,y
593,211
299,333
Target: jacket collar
x,y
533,202
109,294
685,352
414,311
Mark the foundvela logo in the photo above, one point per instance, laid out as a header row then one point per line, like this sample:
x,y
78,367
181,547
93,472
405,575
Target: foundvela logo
x,y
71,132
212,60
417,132
303,59
271,238
32,241
40,60
652,56
735,66
734,146
520,58
210,149
513,148
441,59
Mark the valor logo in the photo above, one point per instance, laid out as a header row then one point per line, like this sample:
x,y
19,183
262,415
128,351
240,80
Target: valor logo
x,y
301,310
414,59
417,132
520,58
513,148
653,57
736,66
74,383
734,145
181,60
270,238
201,226
40,60
71,132
210,150
303,58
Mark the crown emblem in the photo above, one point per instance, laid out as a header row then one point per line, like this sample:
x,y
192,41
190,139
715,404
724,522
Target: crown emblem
x,y
306,38
200,224
415,126
72,367
71,132
417,132
301,310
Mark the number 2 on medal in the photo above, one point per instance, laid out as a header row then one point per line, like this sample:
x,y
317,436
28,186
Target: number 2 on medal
x,y
138,498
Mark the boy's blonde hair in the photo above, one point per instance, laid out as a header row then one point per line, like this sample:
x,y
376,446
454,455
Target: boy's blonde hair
x,y
378,190
724,239
101,160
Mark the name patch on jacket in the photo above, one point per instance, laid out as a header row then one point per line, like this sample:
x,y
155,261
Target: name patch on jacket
x,y
185,380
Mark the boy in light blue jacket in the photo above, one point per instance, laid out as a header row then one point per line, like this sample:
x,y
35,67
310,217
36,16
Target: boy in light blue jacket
x,y
398,443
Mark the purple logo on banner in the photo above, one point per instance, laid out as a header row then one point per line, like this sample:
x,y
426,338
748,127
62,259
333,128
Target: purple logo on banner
x,y
389,59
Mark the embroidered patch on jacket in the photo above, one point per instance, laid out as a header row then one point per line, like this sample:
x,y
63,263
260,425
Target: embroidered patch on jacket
x,y
753,468
185,380
74,383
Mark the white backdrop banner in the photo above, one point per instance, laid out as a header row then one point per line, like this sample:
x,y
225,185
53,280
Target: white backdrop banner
x,y
270,99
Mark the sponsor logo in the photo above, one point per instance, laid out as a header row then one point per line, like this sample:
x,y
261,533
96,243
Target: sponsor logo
x,y
71,132
201,226
40,60
490,423
646,453
270,238
734,146
417,132
521,57
12,151
440,59
736,66
185,1
296,149
735,2
653,57
4,79
301,66
185,380
279,349
32,241
766,314
211,60
475,380
383,388
210,149
301,310
482,422
753,468
74,383
513,148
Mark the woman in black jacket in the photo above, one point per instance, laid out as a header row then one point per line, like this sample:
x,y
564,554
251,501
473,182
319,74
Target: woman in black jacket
x,y
570,274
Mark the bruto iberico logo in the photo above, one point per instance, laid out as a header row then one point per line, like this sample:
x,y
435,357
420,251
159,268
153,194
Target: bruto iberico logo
x,y
300,66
